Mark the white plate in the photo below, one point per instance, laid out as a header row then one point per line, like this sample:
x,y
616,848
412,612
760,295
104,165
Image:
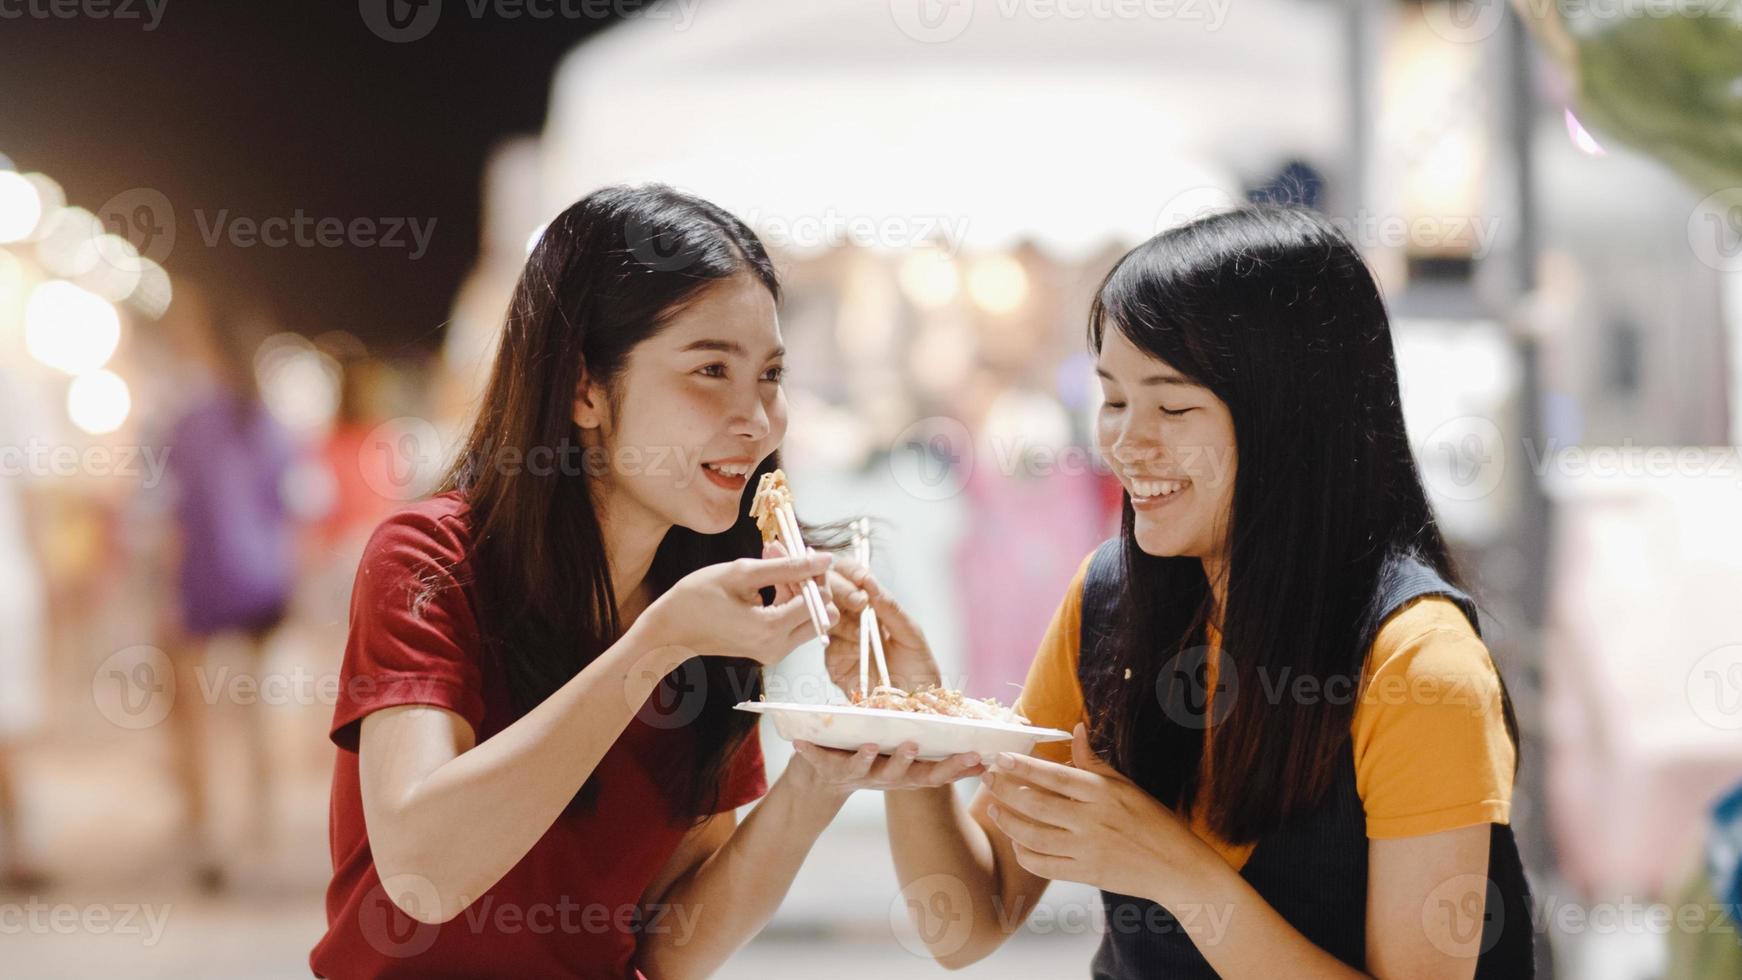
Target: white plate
x,y
843,726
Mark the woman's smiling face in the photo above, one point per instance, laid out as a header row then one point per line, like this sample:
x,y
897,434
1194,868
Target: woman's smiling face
x,y
698,406
1171,444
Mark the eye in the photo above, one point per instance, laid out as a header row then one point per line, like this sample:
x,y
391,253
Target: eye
x,y
1112,405
715,370
1176,412
775,374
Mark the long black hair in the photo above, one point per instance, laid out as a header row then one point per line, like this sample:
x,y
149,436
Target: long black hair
x,y
1273,311
606,275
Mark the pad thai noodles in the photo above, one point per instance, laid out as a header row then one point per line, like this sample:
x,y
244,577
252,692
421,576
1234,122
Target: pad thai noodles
x,y
933,700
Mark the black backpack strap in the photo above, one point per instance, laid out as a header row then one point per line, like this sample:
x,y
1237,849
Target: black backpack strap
x,y
1508,944
1102,584
1402,580
1406,578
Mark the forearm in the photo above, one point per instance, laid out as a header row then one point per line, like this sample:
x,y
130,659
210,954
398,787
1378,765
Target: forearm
x,y
948,867
471,819
1242,936
727,900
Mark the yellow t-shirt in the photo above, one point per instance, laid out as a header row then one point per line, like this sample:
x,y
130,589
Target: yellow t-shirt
x,y
1431,751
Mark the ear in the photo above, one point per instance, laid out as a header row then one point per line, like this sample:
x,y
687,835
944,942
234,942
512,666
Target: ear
x,y
589,408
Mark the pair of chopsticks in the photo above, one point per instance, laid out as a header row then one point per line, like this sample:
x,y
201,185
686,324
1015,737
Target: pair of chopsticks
x,y
870,636
793,541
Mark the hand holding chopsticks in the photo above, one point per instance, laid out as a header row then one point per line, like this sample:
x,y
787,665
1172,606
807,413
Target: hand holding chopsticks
x,y
772,509
870,634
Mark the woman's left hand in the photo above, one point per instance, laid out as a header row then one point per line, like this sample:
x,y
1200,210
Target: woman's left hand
x,y
1087,822
843,772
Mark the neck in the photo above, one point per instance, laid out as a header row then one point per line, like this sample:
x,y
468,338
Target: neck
x,y
632,535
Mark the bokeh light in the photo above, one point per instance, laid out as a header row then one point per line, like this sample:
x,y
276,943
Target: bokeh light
x,y
70,329
928,276
153,293
299,383
67,244
98,402
20,207
117,274
50,194
998,284
12,294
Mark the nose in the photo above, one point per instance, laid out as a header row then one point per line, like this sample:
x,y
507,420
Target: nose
x,y
749,419
1130,447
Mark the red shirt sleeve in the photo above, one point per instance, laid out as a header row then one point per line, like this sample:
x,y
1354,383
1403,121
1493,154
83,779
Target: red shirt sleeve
x,y
413,637
746,778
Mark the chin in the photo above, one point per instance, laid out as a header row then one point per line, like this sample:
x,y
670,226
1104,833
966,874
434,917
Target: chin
x,y
710,520
717,527
1157,542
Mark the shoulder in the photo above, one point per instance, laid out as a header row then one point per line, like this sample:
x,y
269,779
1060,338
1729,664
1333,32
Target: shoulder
x,y
1429,638
412,597
1101,569
440,525
423,541
1432,748
414,637
1052,696
1074,592
1085,582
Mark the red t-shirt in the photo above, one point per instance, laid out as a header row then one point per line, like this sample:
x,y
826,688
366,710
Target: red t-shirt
x,y
569,907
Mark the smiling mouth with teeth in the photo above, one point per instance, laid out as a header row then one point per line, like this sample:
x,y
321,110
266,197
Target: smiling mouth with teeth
x,y
732,475
1145,489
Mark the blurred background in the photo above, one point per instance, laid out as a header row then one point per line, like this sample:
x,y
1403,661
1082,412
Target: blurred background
x,y
325,206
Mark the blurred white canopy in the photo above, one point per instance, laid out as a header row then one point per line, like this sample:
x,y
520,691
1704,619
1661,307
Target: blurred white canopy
x,y
1067,122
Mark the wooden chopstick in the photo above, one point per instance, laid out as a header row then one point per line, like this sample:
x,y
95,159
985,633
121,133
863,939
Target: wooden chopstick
x,y
813,599
865,625
877,647
868,628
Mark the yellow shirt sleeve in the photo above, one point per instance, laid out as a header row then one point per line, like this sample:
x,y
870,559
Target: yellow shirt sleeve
x,y
1431,750
1052,697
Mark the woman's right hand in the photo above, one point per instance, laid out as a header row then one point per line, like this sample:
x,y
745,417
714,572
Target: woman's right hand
x,y
911,664
717,611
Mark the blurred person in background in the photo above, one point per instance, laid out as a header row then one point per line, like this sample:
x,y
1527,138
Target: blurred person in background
x,y
367,479
369,469
22,636
1275,532
232,547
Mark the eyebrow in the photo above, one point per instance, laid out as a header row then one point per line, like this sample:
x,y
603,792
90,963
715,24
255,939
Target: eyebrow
x,y
1155,379
728,347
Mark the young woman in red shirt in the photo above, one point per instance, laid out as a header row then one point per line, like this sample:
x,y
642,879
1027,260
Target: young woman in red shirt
x,y
539,763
